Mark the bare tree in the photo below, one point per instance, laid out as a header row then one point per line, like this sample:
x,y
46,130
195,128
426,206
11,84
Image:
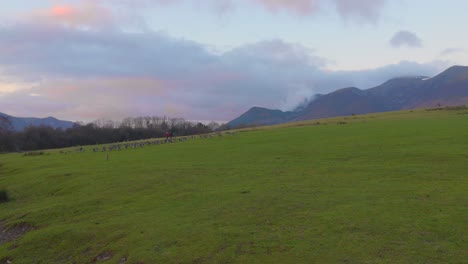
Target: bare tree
x,y
5,124
138,122
148,122
213,125
126,123
105,123
156,120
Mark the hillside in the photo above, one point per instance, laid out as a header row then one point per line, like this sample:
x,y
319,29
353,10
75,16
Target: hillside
x,y
449,88
262,116
379,188
20,123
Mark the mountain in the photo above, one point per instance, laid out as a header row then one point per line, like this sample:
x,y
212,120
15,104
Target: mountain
x,y
447,89
262,116
20,123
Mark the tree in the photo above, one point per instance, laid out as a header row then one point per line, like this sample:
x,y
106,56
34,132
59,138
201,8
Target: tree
x,y
105,123
214,125
5,125
6,139
101,131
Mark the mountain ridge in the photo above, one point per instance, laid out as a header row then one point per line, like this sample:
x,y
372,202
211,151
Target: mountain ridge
x,y
20,123
447,88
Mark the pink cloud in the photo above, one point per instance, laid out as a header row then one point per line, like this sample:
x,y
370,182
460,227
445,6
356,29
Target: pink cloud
x,y
363,9
302,7
65,89
84,14
62,11
91,98
366,9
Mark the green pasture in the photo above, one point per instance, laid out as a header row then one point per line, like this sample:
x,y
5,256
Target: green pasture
x,y
378,188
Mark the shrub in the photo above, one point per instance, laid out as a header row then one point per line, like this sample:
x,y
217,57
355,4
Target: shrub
x,y
3,195
35,153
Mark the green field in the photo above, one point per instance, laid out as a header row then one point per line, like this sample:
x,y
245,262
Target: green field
x,y
379,188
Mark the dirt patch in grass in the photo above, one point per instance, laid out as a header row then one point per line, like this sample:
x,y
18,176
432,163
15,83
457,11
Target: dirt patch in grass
x,y
123,260
8,234
6,260
104,256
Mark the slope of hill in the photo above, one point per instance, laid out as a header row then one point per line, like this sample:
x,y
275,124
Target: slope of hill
x,y
262,116
20,123
447,89
380,188
343,102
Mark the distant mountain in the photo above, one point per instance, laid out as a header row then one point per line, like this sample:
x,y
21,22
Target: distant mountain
x,y
446,89
20,123
262,116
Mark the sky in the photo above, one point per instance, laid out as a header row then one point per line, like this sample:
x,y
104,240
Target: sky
x,y
83,60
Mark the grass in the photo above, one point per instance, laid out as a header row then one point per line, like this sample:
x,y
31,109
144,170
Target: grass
x,y
379,188
3,195
34,153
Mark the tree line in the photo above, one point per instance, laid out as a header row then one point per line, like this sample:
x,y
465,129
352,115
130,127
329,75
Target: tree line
x,y
102,131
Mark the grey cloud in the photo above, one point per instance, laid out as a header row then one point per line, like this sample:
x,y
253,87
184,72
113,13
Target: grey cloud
x,y
368,10
372,77
47,49
450,51
405,38
364,9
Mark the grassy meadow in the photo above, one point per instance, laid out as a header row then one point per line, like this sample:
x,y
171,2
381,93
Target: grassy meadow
x,y
378,188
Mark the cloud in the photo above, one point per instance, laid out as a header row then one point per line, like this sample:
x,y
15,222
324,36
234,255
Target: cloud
x,y
83,14
79,74
92,98
405,38
368,10
364,9
302,7
451,51
36,50
371,77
